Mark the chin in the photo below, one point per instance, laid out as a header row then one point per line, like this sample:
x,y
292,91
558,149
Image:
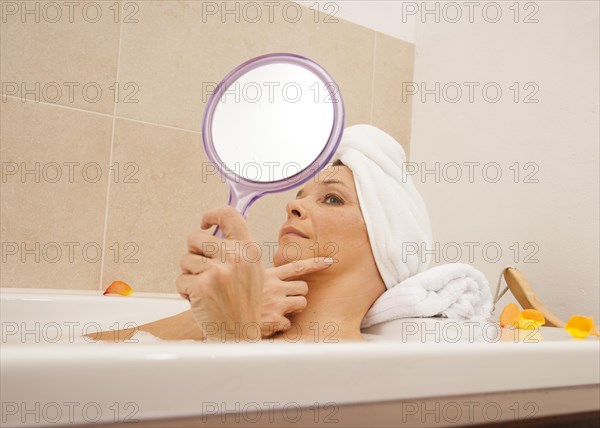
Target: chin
x,y
277,260
297,251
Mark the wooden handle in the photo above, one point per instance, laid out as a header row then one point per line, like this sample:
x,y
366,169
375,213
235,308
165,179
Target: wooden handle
x,y
523,292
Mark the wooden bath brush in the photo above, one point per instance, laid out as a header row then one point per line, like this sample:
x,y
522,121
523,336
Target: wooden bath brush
x,y
520,287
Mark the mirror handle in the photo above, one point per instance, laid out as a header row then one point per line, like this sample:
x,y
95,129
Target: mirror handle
x,y
241,200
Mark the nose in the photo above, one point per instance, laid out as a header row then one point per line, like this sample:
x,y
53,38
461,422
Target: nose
x,y
295,209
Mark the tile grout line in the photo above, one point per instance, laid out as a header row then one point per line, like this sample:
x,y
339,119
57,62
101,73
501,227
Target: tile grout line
x,y
1,105
110,159
101,114
25,100
373,78
160,125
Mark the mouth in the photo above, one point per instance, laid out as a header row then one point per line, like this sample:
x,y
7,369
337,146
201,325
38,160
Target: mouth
x,y
291,232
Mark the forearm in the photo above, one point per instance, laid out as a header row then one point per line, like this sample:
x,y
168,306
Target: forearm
x,y
182,326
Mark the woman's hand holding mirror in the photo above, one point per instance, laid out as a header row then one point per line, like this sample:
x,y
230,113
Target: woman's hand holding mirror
x,y
223,278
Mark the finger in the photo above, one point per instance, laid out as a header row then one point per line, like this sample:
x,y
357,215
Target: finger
x,y
229,220
271,327
185,285
302,267
204,244
193,287
296,288
193,264
295,304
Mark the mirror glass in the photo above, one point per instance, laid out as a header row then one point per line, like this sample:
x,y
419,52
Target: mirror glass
x,y
283,119
271,124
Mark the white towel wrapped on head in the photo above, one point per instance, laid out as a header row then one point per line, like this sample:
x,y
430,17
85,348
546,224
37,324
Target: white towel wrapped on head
x,y
394,212
396,219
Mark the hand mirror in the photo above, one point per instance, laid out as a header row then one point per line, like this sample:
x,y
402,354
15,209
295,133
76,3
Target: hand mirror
x,y
271,124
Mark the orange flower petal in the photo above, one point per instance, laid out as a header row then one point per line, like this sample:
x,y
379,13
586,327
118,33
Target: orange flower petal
x,y
509,315
530,319
580,326
119,287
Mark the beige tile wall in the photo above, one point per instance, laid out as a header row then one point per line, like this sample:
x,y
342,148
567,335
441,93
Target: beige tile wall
x,y
130,154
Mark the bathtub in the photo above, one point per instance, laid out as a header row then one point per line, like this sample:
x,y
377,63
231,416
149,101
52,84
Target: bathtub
x,y
411,372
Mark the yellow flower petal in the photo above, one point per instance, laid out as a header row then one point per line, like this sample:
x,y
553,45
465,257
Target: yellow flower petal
x,y
581,327
508,317
119,287
530,319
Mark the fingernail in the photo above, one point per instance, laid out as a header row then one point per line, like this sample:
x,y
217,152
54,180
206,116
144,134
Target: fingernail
x,y
328,260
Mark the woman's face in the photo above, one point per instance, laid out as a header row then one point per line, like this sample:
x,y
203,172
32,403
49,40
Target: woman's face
x,y
327,220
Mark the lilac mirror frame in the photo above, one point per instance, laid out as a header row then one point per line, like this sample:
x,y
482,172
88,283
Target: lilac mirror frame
x,y
244,192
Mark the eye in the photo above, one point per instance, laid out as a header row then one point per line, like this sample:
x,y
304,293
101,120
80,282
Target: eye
x,y
335,199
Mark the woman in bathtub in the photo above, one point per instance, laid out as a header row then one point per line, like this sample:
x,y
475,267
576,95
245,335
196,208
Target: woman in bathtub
x,y
338,252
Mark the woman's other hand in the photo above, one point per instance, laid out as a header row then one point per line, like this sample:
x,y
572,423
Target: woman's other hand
x,y
223,278
283,295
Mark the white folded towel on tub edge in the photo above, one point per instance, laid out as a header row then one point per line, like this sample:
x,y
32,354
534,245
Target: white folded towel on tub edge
x,y
454,290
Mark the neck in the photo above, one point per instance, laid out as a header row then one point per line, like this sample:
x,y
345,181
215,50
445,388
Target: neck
x,y
337,303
